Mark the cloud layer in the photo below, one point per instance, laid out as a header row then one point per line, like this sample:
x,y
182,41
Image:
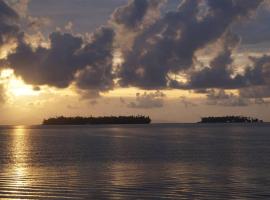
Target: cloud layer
x,y
159,47
169,45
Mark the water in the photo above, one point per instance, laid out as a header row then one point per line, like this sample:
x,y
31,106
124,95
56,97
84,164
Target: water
x,y
135,162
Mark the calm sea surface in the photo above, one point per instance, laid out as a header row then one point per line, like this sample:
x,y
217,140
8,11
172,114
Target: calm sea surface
x,y
160,161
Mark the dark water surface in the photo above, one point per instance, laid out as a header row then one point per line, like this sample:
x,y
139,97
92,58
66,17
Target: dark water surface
x,y
160,161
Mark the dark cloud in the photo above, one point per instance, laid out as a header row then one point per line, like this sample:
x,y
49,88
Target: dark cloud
x,y
220,73
67,58
259,73
132,15
220,78
8,23
97,57
253,85
148,100
169,45
53,66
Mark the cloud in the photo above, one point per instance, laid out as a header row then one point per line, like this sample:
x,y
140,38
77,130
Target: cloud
x,y
132,15
253,84
222,98
133,18
54,66
220,73
259,73
8,23
20,6
97,59
36,23
148,100
27,22
89,94
162,46
256,92
220,70
168,46
261,101
67,59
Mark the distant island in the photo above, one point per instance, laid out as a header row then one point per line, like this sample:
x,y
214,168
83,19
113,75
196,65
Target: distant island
x,y
230,119
97,120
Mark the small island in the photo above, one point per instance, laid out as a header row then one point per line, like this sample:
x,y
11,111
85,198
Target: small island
x,y
97,120
230,119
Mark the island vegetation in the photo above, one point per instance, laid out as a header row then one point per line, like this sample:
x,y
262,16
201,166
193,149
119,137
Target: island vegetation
x,y
97,120
230,119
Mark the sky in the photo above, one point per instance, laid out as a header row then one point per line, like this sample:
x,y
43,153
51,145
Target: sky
x,y
172,60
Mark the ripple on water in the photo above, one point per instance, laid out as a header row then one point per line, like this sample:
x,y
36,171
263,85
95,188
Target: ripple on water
x,y
135,162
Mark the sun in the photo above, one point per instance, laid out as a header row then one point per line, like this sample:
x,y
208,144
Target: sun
x,y
19,88
15,86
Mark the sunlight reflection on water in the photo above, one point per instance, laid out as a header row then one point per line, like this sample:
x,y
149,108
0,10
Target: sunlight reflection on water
x,y
135,162
19,155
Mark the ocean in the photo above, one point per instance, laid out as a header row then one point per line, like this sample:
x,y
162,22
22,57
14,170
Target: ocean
x,y
157,161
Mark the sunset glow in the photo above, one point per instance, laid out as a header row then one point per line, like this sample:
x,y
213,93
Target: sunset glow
x,y
134,99
119,58
15,86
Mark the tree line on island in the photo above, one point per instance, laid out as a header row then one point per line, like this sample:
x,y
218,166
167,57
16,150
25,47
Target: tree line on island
x,y
97,120
230,119
139,119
